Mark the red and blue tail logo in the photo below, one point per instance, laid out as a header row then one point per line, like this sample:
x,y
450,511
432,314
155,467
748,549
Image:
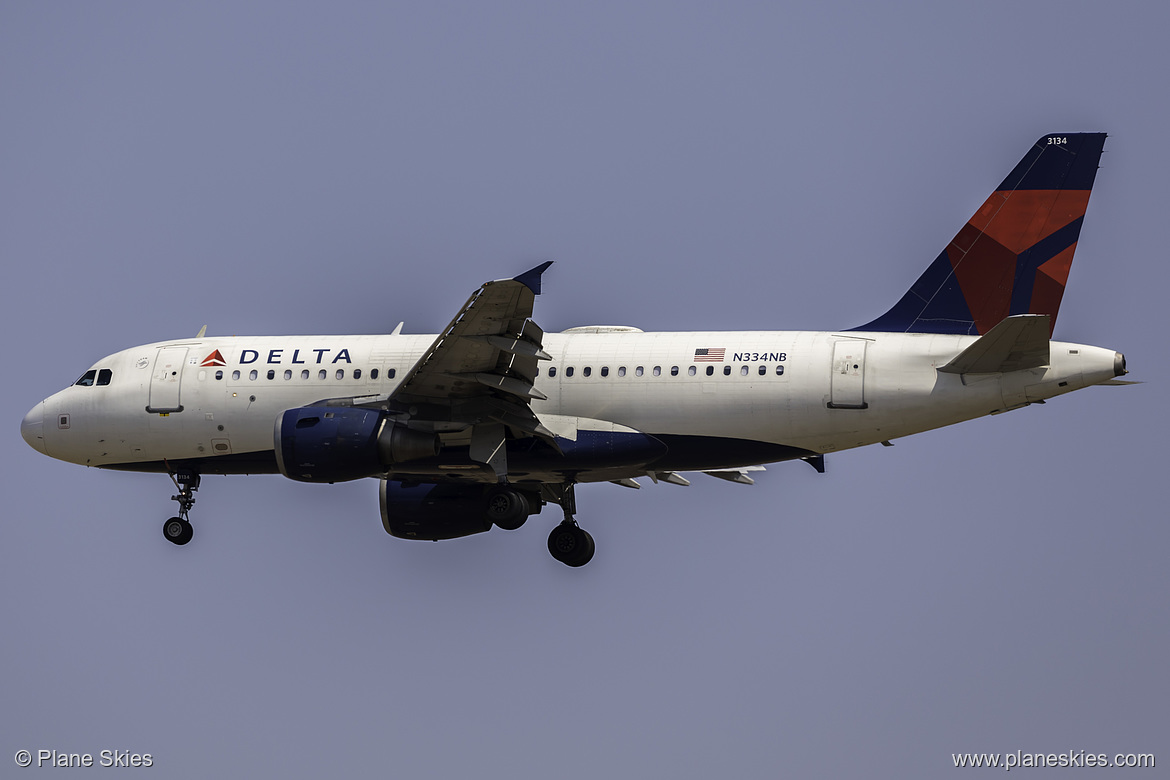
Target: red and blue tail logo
x,y
1014,255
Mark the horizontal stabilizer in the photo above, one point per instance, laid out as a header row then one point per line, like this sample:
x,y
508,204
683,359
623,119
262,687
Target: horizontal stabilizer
x,y
1016,343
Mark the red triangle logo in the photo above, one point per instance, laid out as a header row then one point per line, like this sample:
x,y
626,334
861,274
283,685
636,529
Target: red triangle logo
x,y
214,359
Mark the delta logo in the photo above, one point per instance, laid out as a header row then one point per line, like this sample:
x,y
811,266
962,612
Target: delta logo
x,y
214,359
276,356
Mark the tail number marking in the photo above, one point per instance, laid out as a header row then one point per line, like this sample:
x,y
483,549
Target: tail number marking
x,y
756,357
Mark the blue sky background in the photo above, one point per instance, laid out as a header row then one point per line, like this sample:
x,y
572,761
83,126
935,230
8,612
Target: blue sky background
x,y
277,168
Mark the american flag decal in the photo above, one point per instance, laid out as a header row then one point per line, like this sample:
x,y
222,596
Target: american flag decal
x,y
709,355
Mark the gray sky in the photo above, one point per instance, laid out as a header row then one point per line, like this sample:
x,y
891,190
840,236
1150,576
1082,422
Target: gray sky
x,y
275,168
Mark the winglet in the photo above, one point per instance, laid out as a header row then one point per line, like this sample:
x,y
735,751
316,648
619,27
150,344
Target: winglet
x,y
531,278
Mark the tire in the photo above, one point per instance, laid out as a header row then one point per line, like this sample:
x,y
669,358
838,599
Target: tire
x,y
506,508
177,531
571,545
585,553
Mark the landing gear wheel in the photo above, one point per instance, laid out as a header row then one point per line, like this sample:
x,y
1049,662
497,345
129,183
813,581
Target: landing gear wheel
x,y
571,545
506,508
178,531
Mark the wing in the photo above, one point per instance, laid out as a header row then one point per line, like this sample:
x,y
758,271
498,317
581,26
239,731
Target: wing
x,y
476,379
489,352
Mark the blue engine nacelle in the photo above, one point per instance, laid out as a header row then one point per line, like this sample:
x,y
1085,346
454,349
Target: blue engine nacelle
x,y
432,512
337,444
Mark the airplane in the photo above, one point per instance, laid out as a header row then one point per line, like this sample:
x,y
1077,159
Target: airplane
x,y
484,424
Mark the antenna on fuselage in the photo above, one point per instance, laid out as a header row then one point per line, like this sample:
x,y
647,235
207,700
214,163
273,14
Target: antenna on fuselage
x,y
202,330
397,329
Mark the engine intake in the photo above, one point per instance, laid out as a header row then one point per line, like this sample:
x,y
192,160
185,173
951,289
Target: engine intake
x,y
338,444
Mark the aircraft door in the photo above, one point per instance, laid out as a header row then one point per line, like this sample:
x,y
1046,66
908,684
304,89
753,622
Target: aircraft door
x,y
166,379
847,386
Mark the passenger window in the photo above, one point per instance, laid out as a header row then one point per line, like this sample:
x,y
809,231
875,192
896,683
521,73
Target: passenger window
x,y
389,373
373,373
657,370
341,373
304,373
638,371
743,370
727,371
253,374
605,370
692,370
218,375
763,370
236,375
357,373
321,374
674,370
272,373
552,370
287,374
587,370
780,370
86,379
104,377
710,370
621,370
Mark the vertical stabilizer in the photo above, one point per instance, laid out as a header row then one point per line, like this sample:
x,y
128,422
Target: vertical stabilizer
x,y
1013,256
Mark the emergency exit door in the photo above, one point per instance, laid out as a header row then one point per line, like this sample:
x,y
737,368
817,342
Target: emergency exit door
x,y
166,380
847,386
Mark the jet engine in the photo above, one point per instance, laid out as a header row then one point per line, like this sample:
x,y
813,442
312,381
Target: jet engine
x,y
337,444
447,511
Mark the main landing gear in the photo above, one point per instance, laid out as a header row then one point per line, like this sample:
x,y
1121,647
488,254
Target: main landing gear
x,y
178,530
569,543
508,508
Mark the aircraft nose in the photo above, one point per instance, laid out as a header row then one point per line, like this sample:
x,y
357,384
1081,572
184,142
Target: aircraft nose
x,y
32,428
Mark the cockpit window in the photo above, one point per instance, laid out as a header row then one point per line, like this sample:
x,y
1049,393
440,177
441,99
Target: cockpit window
x,y
104,376
87,378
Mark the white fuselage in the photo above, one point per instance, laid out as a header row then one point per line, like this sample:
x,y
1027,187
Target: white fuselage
x,y
817,391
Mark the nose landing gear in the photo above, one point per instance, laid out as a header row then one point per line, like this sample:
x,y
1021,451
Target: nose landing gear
x,y
178,530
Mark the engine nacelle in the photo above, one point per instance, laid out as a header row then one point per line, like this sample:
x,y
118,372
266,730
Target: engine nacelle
x,y
432,512
337,444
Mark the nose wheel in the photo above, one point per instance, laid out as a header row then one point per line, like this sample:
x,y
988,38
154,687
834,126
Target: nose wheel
x,y
178,530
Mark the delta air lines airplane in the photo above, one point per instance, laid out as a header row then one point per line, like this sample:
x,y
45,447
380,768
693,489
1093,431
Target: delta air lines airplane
x,y
487,422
